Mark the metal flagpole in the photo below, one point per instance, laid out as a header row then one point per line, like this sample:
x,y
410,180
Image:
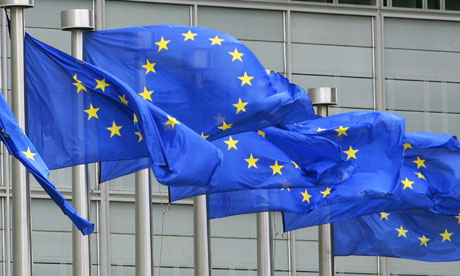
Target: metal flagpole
x,y
104,211
202,238
144,235
264,240
323,97
22,253
6,158
78,20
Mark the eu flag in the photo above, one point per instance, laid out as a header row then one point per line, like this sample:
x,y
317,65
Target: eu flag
x,y
428,180
20,146
78,114
206,79
411,234
371,141
252,161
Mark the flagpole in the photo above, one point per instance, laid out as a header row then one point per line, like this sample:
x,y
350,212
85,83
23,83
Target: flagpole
x,y
77,21
201,228
144,235
22,253
104,206
322,97
6,158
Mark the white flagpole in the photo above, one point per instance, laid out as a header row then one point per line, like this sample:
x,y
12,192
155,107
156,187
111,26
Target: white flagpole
x,y
22,253
77,21
323,97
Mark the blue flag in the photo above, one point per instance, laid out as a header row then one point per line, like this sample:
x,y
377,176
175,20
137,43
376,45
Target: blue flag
x,y
251,160
20,146
412,234
206,79
428,180
78,114
363,137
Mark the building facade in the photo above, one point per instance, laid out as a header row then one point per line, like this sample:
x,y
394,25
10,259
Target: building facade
x,y
401,56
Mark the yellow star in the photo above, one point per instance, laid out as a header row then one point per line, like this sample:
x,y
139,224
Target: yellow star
x,y
261,133
458,217
384,215
351,153
306,196
320,129
407,146
295,165
420,175
140,136
78,84
286,188
204,136
276,168
342,130
162,44
171,121
401,232
135,119
4,134
114,130
29,154
147,95
92,112
326,192
231,143
240,106
189,35
101,84
424,240
236,55
446,235
252,161
216,40
225,126
407,183
245,79
149,67
419,162
123,99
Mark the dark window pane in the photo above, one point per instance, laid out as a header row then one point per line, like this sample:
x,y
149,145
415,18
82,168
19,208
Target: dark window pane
x,y
385,3
407,4
357,2
453,5
434,4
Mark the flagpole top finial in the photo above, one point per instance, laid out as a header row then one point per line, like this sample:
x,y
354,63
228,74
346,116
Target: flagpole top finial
x,y
17,3
323,95
77,19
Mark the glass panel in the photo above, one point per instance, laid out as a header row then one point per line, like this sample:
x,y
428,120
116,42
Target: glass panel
x,y
322,1
357,2
408,3
453,5
434,4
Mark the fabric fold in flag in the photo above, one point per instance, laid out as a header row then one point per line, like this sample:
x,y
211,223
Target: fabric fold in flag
x,y
368,136
208,80
79,114
428,180
20,146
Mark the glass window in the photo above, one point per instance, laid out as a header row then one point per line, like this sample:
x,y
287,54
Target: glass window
x,y
434,4
453,5
322,1
407,4
357,2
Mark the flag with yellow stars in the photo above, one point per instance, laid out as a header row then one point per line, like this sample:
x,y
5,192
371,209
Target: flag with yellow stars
x,y
428,180
20,146
206,79
376,142
80,114
251,160
412,234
